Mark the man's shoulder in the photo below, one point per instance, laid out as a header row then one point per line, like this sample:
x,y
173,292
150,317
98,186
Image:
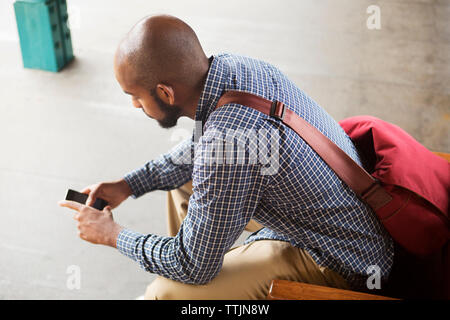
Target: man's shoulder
x,y
233,59
234,116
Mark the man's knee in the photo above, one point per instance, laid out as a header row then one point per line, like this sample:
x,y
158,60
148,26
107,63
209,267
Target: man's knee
x,y
166,289
158,290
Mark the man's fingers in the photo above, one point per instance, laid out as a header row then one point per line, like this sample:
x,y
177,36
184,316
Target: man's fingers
x,y
71,204
86,190
90,201
107,210
92,196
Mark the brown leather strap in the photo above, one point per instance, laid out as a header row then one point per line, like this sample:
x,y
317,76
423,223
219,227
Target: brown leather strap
x,y
358,179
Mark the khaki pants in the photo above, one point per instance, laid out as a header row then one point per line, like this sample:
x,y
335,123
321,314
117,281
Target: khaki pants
x,y
247,270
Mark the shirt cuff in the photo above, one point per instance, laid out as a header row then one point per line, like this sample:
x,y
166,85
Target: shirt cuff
x,y
126,242
133,180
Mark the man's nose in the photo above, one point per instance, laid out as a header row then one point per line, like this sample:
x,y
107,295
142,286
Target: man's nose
x,y
136,103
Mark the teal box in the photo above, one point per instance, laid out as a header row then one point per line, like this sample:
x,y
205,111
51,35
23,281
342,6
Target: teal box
x,y
45,39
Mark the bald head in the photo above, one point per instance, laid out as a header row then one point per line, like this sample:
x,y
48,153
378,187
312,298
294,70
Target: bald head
x,y
162,66
161,49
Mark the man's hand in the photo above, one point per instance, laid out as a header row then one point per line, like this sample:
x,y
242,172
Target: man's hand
x,y
95,226
114,192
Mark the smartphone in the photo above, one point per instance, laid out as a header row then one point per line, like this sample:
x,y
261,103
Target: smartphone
x,y
82,198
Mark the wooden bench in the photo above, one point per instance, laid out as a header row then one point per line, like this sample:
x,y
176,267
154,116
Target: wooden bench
x,y
291,290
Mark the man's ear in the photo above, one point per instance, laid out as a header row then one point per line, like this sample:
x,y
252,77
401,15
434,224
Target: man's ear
x,y
165,93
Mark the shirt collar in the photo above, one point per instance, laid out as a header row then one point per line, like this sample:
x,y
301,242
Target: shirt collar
x,y
212,90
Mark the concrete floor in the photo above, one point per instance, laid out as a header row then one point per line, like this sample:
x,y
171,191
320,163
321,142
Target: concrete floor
x,y
75,128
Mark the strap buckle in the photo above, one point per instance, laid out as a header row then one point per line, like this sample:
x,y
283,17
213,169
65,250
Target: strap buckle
x,y
376,196
277,110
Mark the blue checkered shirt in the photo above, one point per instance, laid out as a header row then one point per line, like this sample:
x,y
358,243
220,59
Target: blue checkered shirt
x,y
298,199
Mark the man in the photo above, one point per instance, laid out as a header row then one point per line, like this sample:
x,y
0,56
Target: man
x,y
308,225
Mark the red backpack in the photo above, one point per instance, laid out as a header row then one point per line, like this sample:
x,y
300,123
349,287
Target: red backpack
x,y
417,180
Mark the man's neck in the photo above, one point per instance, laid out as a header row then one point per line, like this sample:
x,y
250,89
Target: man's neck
x,y
193,102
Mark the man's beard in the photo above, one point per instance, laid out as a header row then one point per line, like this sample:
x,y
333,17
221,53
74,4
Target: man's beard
x,y
171,113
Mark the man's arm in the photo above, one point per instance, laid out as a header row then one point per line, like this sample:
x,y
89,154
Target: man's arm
x,y
167,172
224,200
